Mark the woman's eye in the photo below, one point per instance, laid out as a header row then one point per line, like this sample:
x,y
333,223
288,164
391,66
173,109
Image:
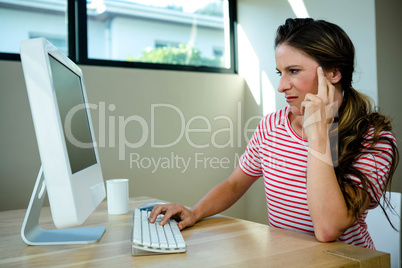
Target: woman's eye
x,y
293,71
279,73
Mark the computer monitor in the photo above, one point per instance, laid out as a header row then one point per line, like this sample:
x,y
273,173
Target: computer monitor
x,y
71,171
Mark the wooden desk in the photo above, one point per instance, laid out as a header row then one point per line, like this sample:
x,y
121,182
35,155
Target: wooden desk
x,y
216,241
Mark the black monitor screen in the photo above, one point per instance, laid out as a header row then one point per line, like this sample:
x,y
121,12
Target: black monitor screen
x,y
73,116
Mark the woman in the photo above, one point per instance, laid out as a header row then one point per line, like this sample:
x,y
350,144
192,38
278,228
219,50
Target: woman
x,y
326,158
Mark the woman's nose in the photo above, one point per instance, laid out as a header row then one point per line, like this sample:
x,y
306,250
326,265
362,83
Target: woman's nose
x,y
284,84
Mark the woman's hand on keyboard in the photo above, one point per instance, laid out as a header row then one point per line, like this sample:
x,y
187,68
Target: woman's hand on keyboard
x,y
184,216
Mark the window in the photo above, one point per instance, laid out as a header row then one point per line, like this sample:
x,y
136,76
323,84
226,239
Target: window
x,y
162,34
24,19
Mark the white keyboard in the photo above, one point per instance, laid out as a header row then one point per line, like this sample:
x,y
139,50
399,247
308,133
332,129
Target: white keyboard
x,y
152,237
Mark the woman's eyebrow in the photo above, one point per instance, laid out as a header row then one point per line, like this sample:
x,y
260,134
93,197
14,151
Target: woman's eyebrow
x,y
291,67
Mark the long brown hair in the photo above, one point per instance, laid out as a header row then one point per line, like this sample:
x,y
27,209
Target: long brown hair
x,y
330,47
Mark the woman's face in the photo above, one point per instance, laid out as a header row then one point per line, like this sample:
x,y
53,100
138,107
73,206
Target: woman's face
x,y
298,75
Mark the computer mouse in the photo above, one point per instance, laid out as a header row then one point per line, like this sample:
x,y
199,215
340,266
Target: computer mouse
x,y
150,206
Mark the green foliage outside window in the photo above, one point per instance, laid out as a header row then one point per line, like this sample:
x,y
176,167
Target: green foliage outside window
x,y
181,55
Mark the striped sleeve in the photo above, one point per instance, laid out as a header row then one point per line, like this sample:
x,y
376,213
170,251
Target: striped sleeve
x,y
250,161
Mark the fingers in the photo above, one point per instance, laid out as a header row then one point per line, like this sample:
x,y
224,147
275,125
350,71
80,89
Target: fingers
x,y
319,110
322,84
184,216
176,209
311,110
185,223
326,90
158,209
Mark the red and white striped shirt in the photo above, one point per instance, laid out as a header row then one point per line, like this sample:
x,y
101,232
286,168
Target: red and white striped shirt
x,y
278,154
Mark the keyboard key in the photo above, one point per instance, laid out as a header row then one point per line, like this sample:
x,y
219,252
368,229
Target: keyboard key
x,y
170,237
176,233
161,234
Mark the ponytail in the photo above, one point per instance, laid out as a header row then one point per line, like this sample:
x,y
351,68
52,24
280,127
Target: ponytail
x,y
357,115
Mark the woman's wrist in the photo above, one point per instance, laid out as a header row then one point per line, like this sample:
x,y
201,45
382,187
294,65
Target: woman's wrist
x,y
319,148
319,141
196,213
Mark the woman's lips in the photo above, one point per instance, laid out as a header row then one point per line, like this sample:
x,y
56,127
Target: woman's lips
x,y
291,98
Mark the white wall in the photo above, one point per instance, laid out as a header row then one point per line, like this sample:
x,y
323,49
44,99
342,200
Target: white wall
x,y
389,61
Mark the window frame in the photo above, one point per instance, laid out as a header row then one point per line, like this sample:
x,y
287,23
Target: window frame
x,y
78,44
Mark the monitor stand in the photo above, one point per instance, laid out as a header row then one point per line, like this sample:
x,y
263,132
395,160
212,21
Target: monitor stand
x,y
33,234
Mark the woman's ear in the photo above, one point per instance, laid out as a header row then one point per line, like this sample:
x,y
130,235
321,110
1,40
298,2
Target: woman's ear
x,y
335,76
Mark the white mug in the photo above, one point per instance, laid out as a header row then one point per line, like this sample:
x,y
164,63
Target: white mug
x,y
117,196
